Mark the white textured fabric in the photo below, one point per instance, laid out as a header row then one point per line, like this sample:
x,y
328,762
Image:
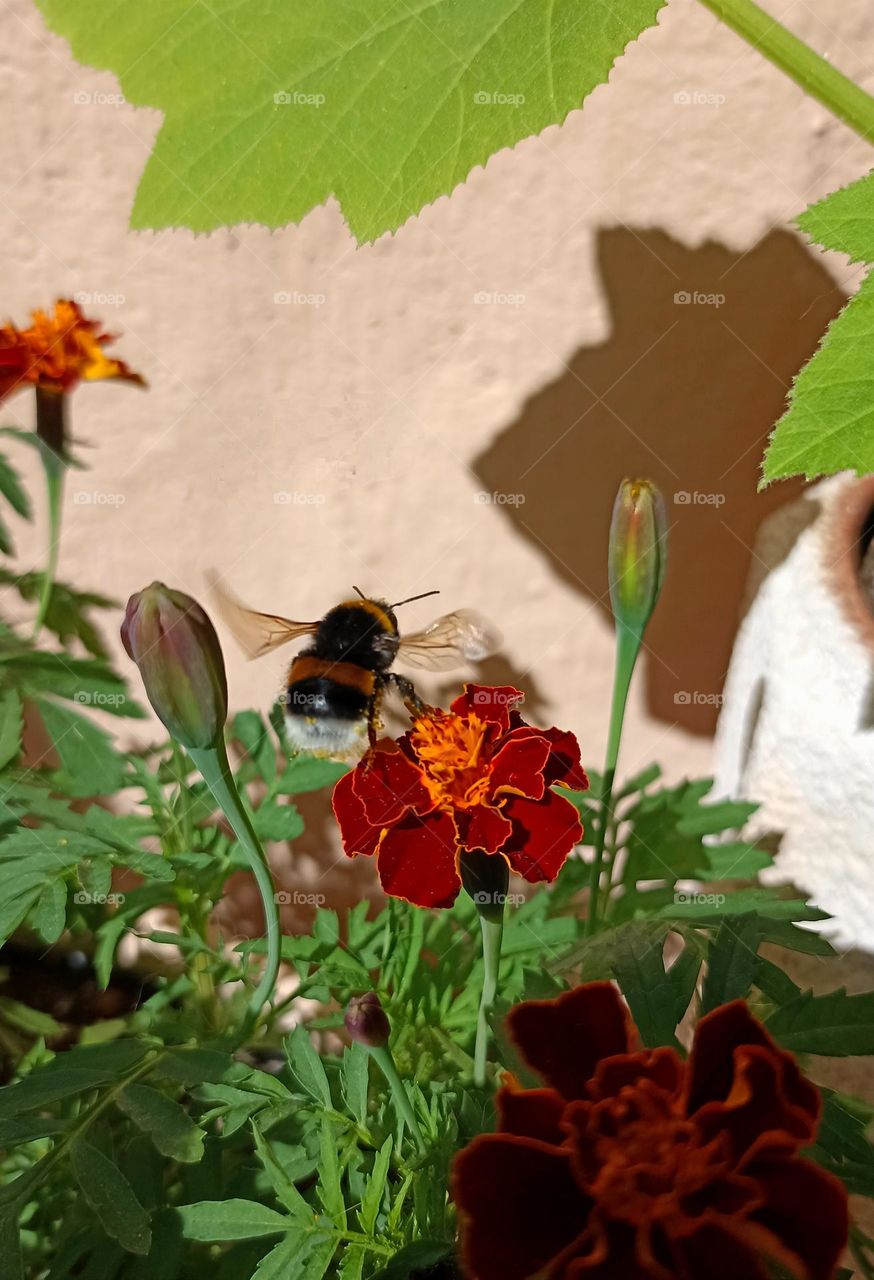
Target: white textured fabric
x,y
792,733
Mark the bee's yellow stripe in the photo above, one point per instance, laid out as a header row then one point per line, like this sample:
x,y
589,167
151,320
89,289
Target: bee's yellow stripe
x,y
375,611
345,673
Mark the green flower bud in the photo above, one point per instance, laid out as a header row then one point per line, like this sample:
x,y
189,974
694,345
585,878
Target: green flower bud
x,y
175,646
637,553
367,1021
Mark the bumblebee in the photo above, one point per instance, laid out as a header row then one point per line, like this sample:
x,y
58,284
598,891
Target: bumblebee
x,y
335,686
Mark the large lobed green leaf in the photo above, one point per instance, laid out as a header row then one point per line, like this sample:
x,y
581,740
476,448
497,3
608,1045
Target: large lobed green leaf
x,y
829,424
270,108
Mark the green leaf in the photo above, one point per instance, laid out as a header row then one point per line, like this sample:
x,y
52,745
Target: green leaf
x,y
11,726
330,1191
378,104
90,764
168,1125
297,1257
732,962
829,423
10,1246
274,821
354,1078
637,964
376,1184
208,1220
306,1066
111,1197
251,732
286,1192
310,773
837,1025
419,1255
49,916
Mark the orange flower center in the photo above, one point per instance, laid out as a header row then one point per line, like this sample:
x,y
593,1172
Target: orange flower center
x,y
451,751
649,1162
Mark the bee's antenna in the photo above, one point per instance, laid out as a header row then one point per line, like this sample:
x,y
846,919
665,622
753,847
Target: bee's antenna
x,y
359,592
410,599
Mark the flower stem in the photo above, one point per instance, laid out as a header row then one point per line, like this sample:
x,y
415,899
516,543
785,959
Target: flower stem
x,y
493,933
807,68
50,429
213,764
386,1063
627,648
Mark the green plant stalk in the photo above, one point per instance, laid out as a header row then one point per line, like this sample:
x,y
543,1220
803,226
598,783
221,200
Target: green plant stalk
x,y
493,934
627,648
806,67
213,765
386,1063
50,429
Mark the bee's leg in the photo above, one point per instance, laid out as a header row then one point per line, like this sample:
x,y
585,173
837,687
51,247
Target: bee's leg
x,y
374,721
407,690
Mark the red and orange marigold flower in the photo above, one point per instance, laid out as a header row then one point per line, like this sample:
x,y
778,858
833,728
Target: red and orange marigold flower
x,y
56,351
476,777
631,1164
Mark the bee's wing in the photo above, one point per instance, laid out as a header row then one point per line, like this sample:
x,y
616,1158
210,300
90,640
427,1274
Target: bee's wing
x,y
256,633
450,641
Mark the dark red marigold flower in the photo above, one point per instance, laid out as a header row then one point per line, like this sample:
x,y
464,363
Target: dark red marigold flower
x,y
632,1164
474,777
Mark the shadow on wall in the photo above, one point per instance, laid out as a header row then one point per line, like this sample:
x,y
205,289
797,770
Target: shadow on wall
x,y
686,389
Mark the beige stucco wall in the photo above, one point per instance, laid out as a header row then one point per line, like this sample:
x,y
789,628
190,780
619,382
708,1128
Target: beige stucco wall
x,y
373,396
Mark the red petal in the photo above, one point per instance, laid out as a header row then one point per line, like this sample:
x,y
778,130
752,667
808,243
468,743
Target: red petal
x,y
565,1039
357,834
711,1070
713,1251
417,860
518,767
564,765
757,1114
663,1067
484,828
531,1113
388,784
518,1207
544,832
806,1208
495,704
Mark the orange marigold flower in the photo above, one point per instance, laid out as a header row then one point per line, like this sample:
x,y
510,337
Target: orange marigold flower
x,y
632,1164
57,351
476,777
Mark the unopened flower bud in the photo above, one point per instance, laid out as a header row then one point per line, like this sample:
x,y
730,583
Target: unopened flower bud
x,y
367,1021
637,553
175,646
